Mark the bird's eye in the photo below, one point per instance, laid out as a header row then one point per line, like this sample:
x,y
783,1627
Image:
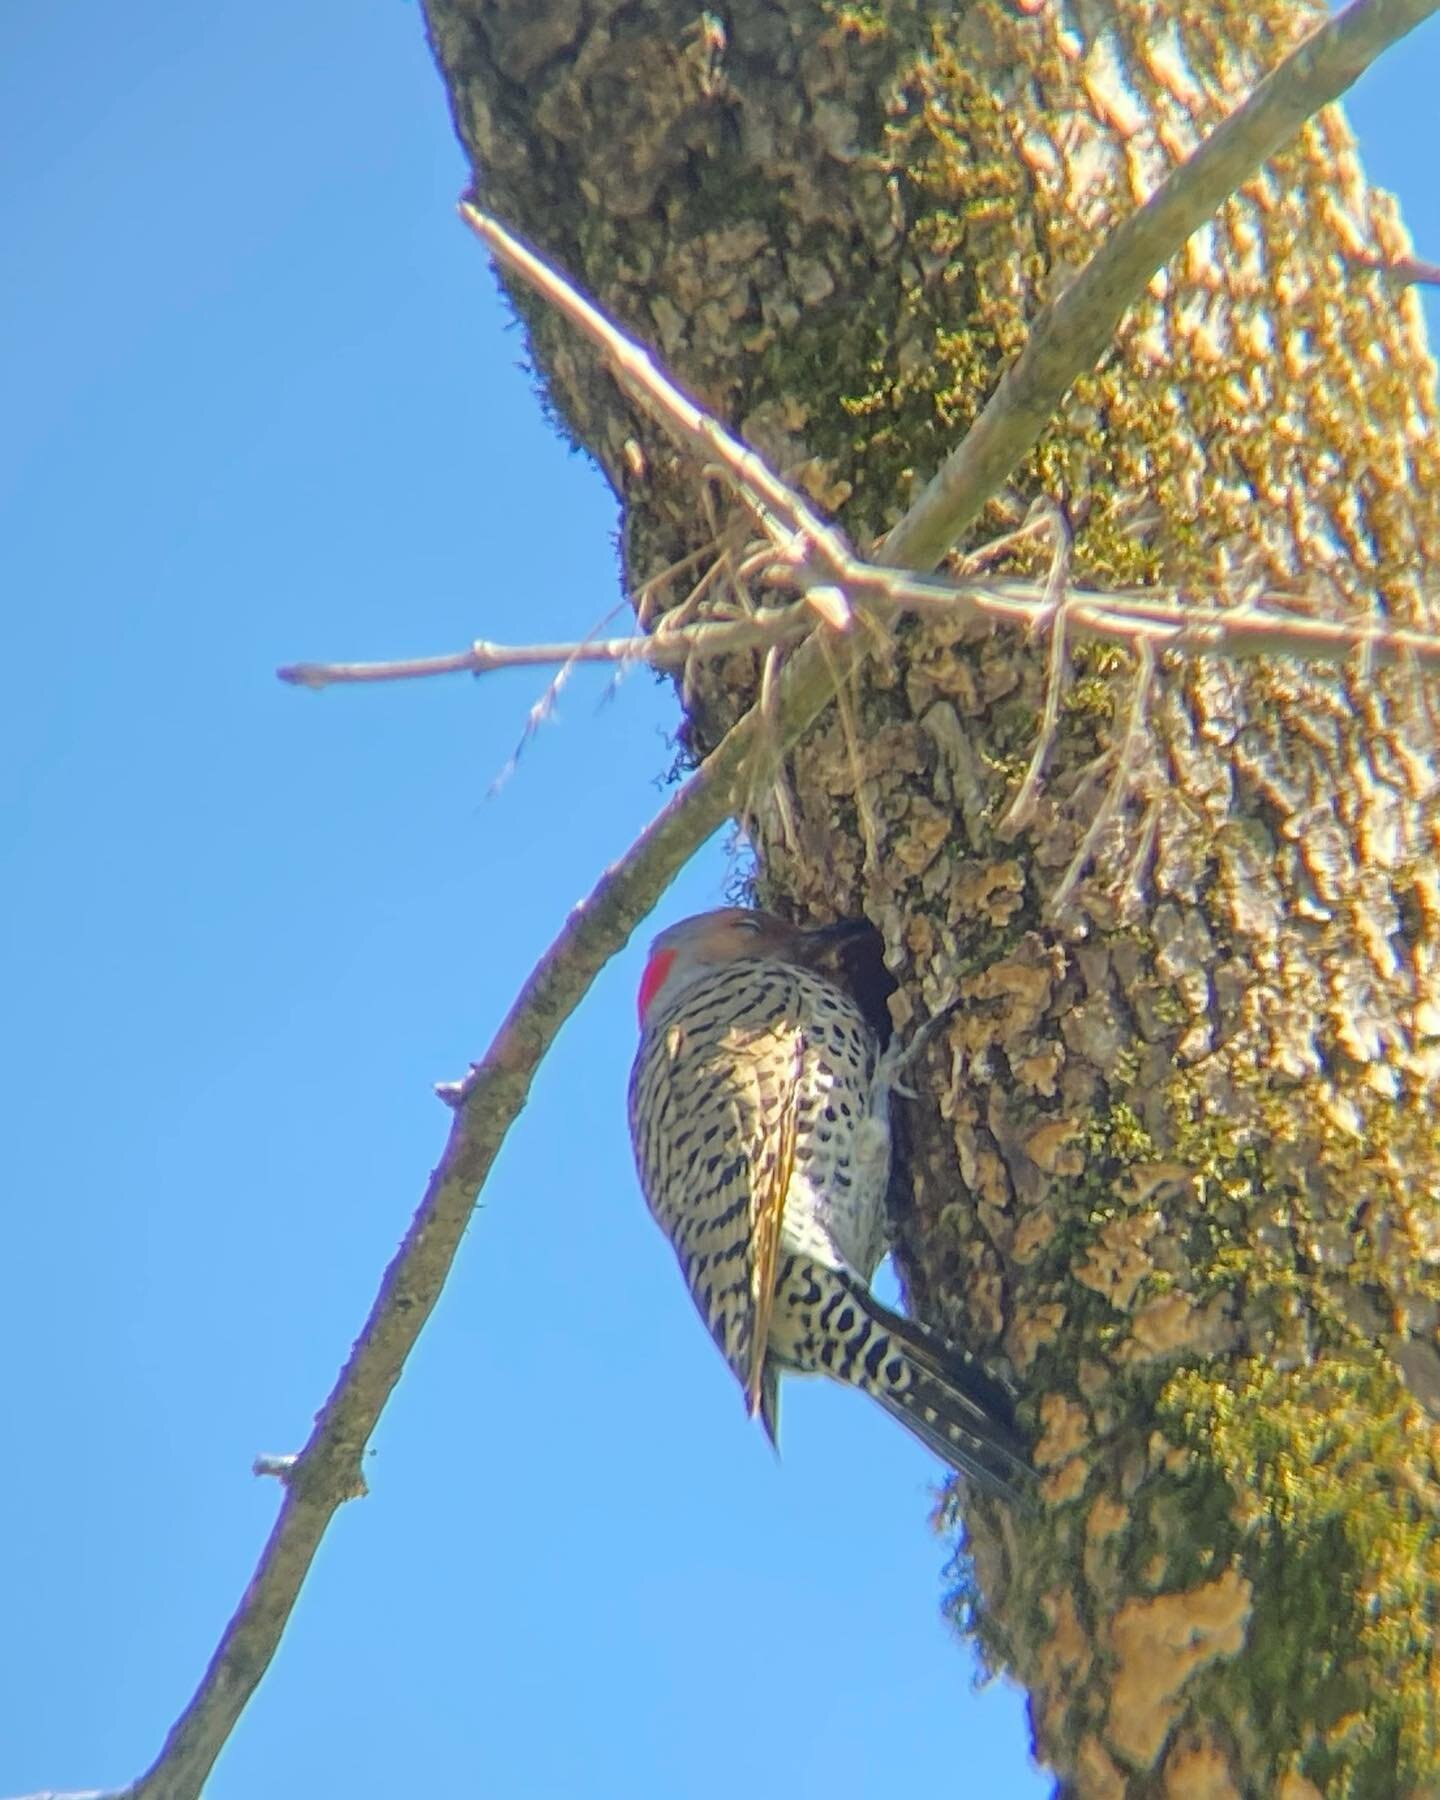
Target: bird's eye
x,y
743,924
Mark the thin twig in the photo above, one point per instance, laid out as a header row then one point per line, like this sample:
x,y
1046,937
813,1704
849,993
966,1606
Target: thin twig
x,y
665,649
768,703
645,593
864,812
1022,810
1131,890
540,713
1119,787
1071,333
780,784
1408,271
636,372
1165,618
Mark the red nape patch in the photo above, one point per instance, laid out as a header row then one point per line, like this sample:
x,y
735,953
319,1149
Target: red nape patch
x,y
653,979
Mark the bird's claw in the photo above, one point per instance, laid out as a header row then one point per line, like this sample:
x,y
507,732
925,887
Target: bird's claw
x,y
895,1062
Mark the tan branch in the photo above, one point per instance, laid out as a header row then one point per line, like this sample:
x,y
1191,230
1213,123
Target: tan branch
x,y
1166,619
327,1471
1118,790
1022,809
1070,334
664,650
765,493
1408,271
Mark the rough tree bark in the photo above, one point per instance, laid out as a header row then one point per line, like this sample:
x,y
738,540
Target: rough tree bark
x,y
1176,1169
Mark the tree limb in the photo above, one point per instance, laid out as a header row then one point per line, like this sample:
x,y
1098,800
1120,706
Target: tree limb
x,y
327,1470
1163,619
664,649
1407,271
779,509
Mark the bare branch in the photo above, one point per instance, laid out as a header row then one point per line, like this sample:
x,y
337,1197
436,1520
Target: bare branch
x,y
1408,271
1166,618
1119,788
1073,331
666,649
327,1471
1022,808
270,1464
633,367
78,1794
864,811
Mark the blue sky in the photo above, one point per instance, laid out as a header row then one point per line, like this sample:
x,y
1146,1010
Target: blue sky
x,y
261,403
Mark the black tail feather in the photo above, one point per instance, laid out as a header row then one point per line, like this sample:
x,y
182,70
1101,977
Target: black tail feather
x,y
946,1400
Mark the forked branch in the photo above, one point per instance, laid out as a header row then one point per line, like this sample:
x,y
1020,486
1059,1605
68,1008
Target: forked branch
x,y
1159,618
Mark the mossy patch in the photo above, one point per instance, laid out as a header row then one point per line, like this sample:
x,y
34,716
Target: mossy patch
x,y
1339,1671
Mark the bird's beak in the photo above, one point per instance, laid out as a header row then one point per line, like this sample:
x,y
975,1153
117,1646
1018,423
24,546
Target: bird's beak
x,y
843,931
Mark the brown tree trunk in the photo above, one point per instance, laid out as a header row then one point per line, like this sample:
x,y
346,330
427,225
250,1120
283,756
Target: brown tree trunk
x,y
1176,1169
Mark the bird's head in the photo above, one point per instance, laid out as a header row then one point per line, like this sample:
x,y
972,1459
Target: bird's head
x,y
683,951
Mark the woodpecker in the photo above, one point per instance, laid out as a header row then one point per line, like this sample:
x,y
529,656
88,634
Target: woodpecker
x,y
760,1118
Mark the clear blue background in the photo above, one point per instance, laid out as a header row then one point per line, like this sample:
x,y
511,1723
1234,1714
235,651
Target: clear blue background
x,y
261,403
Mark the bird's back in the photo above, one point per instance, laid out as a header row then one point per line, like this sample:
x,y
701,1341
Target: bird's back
x,y
754,1056
759,1110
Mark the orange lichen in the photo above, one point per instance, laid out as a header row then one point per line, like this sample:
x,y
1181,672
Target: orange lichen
x,y
1031,1236
1032,1331
1158,1645
1065,1429
1106,1517
1097,1776
1066,1483
1119,1259
1293,1786
1198,1769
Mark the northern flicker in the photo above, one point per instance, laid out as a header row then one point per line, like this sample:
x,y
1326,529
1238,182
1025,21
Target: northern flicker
x,y
760,1116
